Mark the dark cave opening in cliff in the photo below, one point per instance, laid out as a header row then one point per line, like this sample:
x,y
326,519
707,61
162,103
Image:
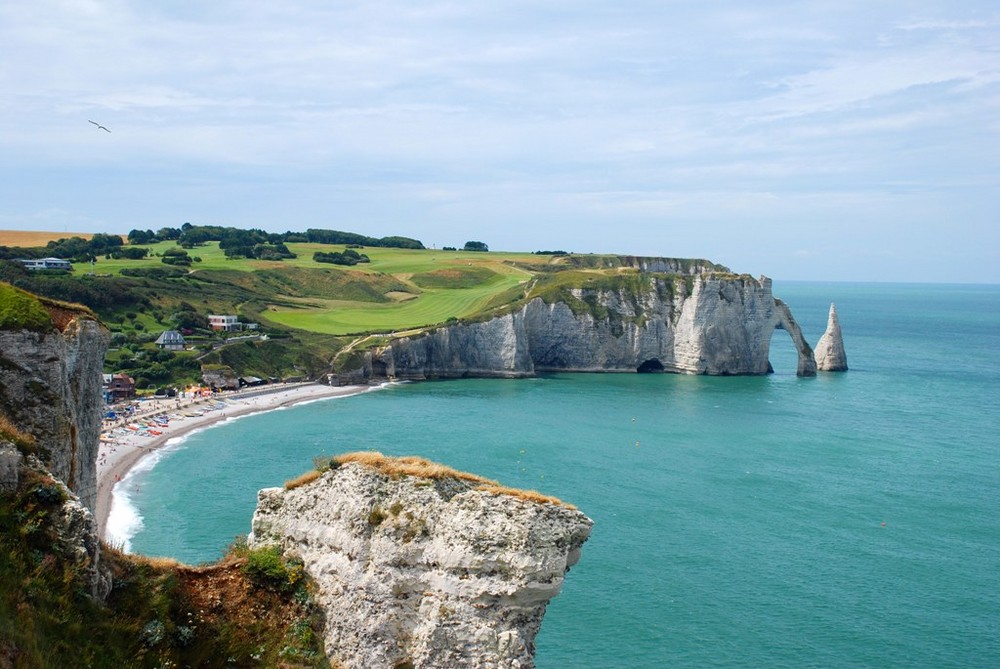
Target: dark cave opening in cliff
x,y
650,367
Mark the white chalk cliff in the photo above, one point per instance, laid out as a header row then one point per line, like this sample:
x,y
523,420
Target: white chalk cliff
x,y
424,571
711,323
830,354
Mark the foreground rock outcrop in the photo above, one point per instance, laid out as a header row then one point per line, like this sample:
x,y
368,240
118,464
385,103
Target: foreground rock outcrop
x,y
420,566
710,323
830,354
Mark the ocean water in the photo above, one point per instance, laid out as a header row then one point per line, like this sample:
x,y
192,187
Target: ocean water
x,y
849,520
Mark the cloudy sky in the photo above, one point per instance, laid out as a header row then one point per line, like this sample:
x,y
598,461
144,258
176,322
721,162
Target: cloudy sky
x,y
817,140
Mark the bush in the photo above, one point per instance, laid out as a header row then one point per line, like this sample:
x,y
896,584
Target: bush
x,y
348,257
266,567
50,494
176,257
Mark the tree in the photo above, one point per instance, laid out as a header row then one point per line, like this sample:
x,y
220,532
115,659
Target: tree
x,y
168,234
194,237
101,243
189,319
141,237
130,253
475,246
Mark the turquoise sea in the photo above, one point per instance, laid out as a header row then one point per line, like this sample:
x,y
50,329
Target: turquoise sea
x,y
849,520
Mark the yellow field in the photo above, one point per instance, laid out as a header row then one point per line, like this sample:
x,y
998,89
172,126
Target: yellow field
x,y
35,238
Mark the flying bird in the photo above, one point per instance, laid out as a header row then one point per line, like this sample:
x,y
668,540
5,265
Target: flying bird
x,y
100,126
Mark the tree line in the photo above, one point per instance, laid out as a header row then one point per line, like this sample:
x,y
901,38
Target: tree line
x,y
256,243
236,242
74,249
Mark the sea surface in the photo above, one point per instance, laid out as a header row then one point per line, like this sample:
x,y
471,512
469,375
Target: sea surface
x,y
848,520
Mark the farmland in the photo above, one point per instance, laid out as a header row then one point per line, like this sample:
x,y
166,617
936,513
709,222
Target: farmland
x,y
26,238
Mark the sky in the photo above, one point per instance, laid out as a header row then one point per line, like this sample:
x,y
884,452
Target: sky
x,y
817,140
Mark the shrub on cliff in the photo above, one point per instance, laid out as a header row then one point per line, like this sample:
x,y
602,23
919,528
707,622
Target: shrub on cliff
x,y
158,614
266,567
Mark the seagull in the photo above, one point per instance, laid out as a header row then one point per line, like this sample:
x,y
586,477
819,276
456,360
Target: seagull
x,y
100,126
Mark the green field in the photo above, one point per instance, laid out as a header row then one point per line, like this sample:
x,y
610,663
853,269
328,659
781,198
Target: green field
x,y
429,286
443,285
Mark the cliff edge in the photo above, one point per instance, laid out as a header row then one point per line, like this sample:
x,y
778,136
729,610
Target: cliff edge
x,y
421,566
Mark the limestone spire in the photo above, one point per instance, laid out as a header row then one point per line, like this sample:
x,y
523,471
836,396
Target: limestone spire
x,y
830,355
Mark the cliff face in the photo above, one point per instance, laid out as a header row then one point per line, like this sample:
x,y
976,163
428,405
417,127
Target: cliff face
x,y
424,572
498,347
51,361
715,324
50,386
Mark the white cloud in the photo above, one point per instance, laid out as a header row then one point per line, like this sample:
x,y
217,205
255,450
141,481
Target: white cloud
x,y
861,79
552,114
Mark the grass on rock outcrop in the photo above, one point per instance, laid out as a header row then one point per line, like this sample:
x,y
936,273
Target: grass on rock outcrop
x,y
417,467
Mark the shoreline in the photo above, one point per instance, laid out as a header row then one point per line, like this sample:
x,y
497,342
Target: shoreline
x,y
121,448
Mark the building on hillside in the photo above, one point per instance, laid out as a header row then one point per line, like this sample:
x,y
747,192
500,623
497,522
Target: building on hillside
x,y
118,388
170,340
226,322
220,378
45,263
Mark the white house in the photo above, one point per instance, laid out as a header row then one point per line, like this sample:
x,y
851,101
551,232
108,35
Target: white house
x,y
225,322
45,263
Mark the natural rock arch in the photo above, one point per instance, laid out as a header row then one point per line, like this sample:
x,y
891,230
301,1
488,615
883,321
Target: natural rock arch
x,y
785,321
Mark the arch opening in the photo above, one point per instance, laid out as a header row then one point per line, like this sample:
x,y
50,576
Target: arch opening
x,y
782,354
806,364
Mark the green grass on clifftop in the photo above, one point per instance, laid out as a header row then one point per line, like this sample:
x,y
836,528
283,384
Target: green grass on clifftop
x,y
20,310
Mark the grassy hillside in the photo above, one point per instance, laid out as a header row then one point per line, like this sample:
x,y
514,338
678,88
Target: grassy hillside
x,y
249,610
399,289
308,310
